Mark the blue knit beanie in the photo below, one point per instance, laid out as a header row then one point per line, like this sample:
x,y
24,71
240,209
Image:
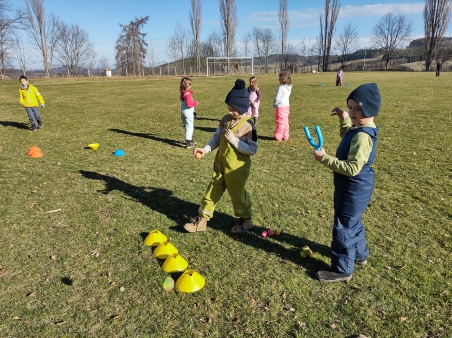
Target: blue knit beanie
x,y
368,97
239,97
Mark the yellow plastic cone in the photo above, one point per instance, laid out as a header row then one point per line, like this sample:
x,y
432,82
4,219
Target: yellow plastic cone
x,y
94,146
190,281
165,249
174,263
154,238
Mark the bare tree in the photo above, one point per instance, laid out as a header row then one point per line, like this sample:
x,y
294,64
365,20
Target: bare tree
x,y
268,43
177,44
246,40
103,63
389,33
9,24
327,27
37,29
74,50
284,23
195,22
436,20
213,47
444,51
256,36
19,51
151,55
347,42
52,36
229,21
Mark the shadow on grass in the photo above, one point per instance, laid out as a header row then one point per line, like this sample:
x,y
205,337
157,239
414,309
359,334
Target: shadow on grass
x,y
206,119
265,138
206,129
151,137
164,202
19,125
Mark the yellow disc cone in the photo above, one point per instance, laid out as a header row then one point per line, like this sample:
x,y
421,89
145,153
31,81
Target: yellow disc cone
x,y
190,281
154,238
174,263
165,249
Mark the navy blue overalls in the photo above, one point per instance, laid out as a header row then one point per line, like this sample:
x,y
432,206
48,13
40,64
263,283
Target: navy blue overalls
x,y
351,196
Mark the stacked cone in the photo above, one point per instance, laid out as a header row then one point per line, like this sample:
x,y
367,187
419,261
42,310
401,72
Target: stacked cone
x,y
35,152
190,280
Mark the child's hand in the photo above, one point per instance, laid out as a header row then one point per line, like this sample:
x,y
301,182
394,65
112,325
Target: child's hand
x,y
229,134
199,152
339,112
318,154
42,105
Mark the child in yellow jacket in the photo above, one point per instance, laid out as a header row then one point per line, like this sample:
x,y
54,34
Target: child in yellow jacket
x,y
30,99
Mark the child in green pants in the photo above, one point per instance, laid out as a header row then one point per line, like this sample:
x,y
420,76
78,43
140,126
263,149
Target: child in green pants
x,y
236,140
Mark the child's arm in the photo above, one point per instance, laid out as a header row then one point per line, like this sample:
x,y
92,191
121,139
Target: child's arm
x,y
21,98
38,96
277,97
258,92
246,144
360,149
189,100
344,120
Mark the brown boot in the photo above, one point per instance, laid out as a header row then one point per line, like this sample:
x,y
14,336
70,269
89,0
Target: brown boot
x,y
243,225
199,223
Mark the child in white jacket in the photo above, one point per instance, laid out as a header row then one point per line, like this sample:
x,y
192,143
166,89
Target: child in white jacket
x,y
282,105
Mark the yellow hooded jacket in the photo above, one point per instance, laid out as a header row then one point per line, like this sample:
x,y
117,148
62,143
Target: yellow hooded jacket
x,y
30,96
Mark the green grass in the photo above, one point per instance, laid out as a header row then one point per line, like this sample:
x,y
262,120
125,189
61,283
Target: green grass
x,y
73,263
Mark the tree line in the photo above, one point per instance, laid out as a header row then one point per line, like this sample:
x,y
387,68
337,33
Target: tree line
x,y
68,45
58,43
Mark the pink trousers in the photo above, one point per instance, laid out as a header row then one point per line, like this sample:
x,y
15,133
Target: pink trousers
x,y
282,123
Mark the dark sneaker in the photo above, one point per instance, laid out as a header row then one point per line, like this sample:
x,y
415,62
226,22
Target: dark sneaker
x,y
330,276
33,129
242,226
199,223
40,126
189,144
361,261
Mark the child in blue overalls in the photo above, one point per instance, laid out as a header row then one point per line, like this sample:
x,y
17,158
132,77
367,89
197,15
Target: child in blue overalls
x,y
236,140
353,181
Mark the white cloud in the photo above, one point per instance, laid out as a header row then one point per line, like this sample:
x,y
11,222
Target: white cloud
x,y
378,10
310,16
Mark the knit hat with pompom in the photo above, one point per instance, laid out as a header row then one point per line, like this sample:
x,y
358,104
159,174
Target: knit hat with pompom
x,y
239,97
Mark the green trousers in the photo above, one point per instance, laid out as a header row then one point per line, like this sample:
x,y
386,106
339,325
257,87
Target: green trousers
x,y
230,171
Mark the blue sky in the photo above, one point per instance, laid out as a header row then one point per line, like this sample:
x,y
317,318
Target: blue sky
x,y
101,18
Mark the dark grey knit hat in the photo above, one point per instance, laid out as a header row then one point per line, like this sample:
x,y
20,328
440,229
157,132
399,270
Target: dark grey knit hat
x,y
368,97
239,97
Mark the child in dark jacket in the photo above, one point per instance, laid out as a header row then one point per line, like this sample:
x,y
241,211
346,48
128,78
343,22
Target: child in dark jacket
x,y
353,180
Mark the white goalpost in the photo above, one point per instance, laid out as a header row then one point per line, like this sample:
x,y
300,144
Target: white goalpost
x,y
229,65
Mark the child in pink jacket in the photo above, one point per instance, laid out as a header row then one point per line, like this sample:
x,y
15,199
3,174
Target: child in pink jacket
x,y
255,99
187,110
282,105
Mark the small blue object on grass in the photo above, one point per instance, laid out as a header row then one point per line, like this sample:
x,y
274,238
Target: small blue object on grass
x,y
347,85
321,84
317,146
119,152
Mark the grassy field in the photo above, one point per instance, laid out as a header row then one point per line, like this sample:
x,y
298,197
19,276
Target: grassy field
x,y
72,259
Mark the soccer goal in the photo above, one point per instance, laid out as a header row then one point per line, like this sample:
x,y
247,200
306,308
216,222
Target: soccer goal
x,y
229,66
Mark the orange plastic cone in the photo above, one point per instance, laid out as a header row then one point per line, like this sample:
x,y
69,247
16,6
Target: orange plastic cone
x,y
32,150
36,154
